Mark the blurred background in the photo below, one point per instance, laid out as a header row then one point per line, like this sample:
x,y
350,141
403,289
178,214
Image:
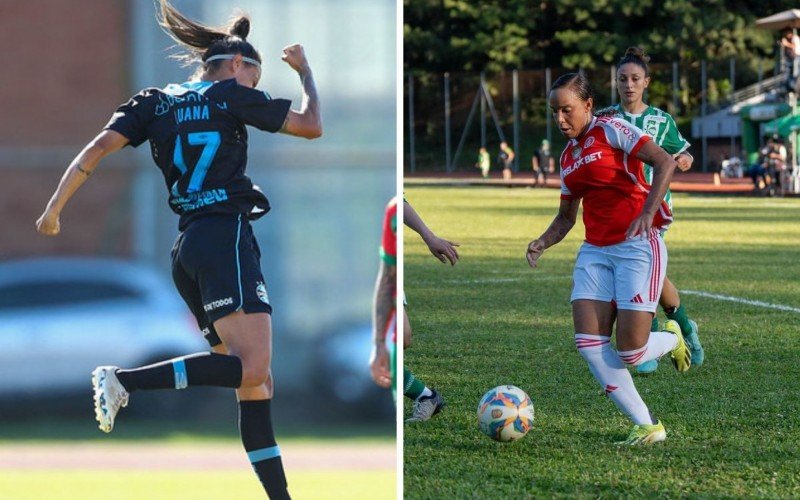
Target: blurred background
x,y
101,292
717,67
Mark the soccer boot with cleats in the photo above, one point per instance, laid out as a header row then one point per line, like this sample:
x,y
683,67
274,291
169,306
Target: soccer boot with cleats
x,y
425,407
645,434
651,366
693,341
109,396
647,367
681,356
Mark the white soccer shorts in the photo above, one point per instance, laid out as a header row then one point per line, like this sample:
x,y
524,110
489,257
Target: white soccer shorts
x,y
630,273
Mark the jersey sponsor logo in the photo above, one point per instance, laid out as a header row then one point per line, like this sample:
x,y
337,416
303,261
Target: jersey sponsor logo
x,y
622,128
227,301
200,199
585,160
589,141
261,291
167,101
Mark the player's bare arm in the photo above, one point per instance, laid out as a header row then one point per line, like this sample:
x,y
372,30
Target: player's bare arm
x,y
663,167
107,142
442,249
384,306
307,122
557,231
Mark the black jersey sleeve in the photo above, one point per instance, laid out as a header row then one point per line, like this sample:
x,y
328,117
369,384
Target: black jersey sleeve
x,y
258,109
131,118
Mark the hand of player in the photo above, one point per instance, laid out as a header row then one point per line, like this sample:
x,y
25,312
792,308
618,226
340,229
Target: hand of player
x,y
535,250
640,227
49,223
295,56
684,162
379,366
443,249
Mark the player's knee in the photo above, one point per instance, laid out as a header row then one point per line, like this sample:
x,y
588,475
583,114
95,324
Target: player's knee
x,y
254,373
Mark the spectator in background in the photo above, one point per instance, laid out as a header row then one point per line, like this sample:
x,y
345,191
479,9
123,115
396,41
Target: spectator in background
x,y
484,162
543,163
506,158
732,167
774,158
790,46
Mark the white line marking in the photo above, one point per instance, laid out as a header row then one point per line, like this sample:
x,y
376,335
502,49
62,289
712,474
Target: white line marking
x,y
507,280
485,280
758,303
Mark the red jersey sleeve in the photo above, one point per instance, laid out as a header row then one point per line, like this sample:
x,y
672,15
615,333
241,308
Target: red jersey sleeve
x,y
389,240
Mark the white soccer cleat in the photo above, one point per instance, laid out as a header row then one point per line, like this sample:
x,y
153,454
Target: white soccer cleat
x,y
426,407
109,396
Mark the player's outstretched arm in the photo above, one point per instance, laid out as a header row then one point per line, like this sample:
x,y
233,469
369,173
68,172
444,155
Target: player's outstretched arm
x,y
663,167
307,122
442,249
558,229
107,142
383,318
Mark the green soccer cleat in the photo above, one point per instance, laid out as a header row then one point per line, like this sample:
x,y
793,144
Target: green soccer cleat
x,y
681,356
698,355
645,434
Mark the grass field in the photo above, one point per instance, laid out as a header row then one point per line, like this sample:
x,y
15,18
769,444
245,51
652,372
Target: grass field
x,y
733,425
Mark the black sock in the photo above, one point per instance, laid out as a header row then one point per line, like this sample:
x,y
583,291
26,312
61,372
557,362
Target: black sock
x,y
204,368
255,425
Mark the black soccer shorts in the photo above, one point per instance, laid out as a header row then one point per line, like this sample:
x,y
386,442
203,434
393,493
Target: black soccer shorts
x,y
216,268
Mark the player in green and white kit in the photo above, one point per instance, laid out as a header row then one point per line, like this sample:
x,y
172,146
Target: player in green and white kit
x,y
633,77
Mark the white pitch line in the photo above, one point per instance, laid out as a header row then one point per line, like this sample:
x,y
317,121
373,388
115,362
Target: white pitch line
x,y
758,303
507,280
485,280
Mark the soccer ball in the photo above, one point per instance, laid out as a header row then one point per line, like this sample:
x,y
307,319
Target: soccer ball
x,y
505,413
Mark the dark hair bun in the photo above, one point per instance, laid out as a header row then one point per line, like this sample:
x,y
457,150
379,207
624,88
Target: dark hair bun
x,y
241,28
637,52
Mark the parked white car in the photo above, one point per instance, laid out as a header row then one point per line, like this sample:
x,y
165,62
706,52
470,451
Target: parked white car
x,y
61,317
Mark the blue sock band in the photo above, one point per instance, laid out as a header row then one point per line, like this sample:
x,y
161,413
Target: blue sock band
x,y
181,378
263,454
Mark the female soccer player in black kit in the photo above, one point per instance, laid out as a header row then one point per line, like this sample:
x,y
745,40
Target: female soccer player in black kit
x,y
198,139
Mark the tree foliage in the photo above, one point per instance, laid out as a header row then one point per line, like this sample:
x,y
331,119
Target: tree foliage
x,y
493,35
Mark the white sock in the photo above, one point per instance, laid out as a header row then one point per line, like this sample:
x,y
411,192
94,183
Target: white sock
x,y
607,367
657,345
425,393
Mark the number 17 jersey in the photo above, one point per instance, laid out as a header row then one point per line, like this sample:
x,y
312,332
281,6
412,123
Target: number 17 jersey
x,y
198,138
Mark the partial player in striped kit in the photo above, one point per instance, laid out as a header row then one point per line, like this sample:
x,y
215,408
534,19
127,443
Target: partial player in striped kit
x,y
198,137
383,361
620,267
633,77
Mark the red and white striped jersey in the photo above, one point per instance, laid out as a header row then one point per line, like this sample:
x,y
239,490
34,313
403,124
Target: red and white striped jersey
x,y
601,168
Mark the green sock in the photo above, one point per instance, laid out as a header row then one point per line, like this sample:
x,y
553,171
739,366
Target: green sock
x,y
680,316
654,324
413,386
